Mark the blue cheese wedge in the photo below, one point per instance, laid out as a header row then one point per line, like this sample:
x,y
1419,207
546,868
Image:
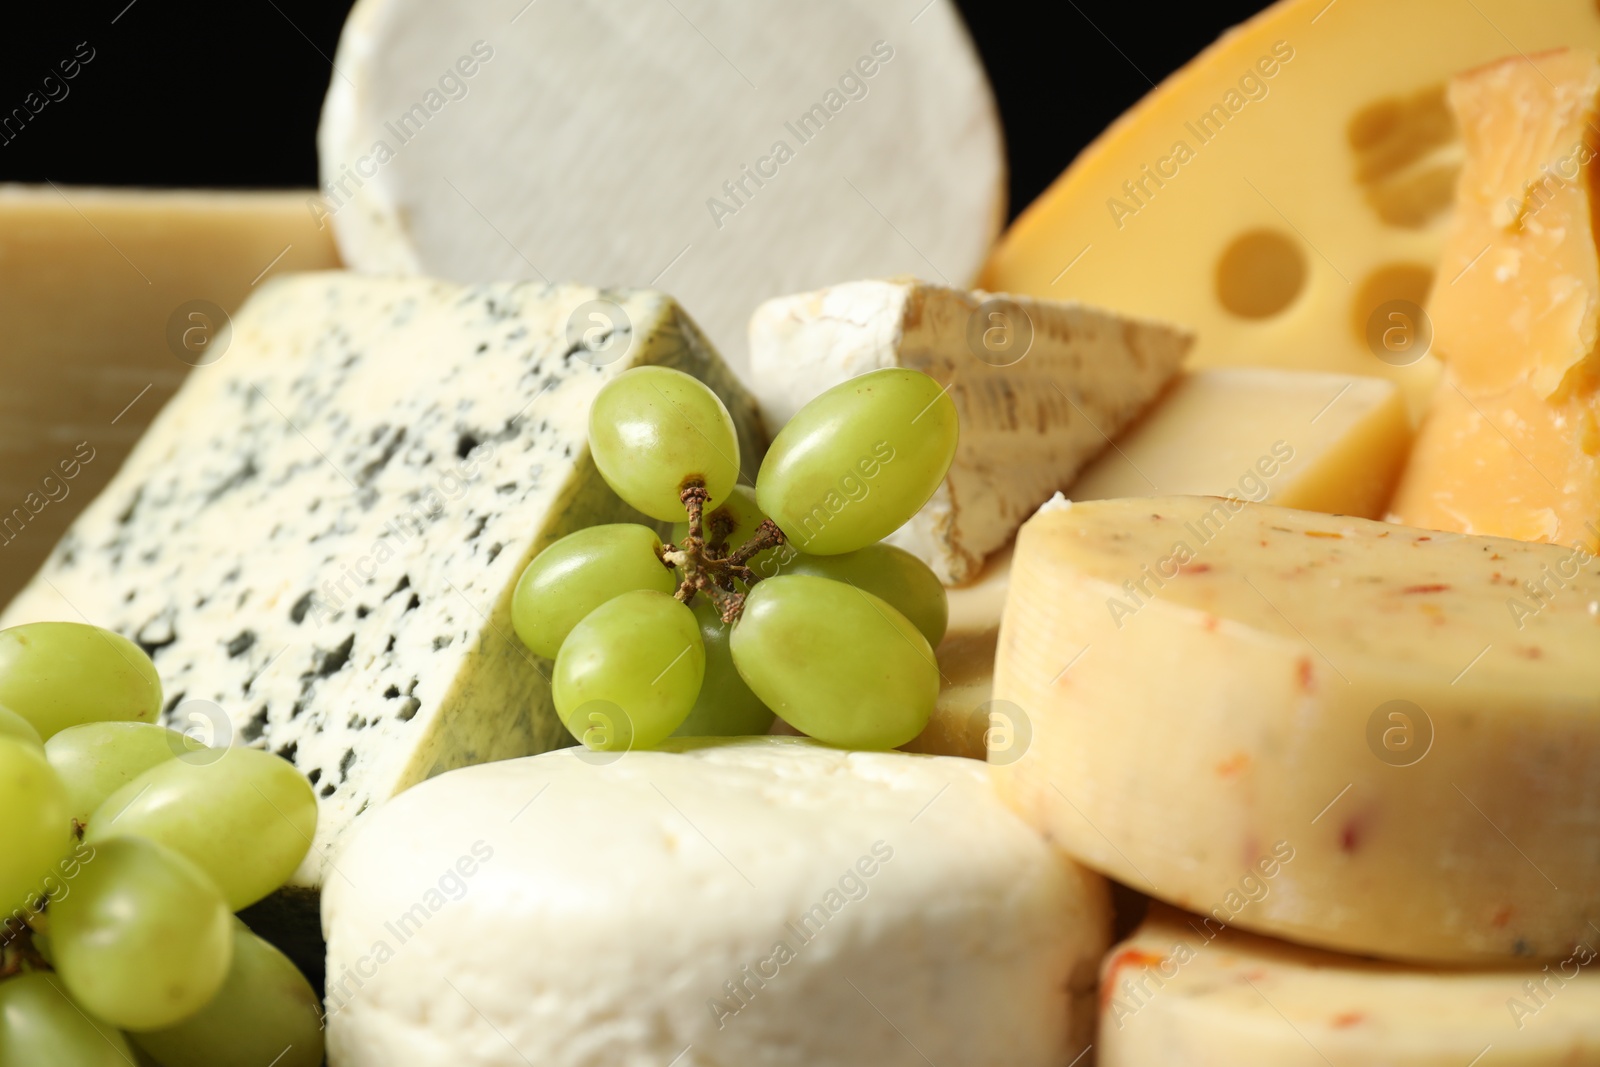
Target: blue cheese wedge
x,y
318,538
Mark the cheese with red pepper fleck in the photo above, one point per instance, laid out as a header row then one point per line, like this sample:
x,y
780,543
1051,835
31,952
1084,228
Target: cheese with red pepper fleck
x,y
1416,715
1184,990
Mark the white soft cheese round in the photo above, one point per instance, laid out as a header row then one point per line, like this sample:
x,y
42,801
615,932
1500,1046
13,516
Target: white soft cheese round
x,y
751,902
724,152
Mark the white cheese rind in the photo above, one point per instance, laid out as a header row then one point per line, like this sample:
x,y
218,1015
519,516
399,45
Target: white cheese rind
x,y
608,905
487,139
320,533
1029,422
1191,993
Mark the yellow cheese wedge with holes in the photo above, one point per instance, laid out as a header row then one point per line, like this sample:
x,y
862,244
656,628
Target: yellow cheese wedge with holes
x,y
1414,715
1185,991
1278,193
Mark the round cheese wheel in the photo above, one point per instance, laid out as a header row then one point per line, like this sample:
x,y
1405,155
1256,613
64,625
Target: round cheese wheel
x,y
1185,990
758,901
1286,194
726,153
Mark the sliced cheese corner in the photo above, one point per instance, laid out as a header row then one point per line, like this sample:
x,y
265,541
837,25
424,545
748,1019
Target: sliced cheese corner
x,y
1281,192
108,297
1512,444
1185,990
964,720
1415,715
1040,387
1298,439
318,538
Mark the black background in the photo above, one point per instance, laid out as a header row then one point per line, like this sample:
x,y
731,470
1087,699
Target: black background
x,y
184,93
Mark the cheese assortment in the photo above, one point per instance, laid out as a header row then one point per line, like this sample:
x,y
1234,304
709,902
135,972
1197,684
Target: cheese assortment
x,y
108,298
318,538
753,901
1186,990
725,153
447,606
1286,193
1511,445
1039,386
1210,681
1298,439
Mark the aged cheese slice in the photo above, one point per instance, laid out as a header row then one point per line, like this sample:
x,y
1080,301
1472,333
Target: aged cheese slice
x,y
318,538
1298,439
1512,444
1281,192
726,152
99,293
964,721
1184,990
1416,715
756,902
1039,386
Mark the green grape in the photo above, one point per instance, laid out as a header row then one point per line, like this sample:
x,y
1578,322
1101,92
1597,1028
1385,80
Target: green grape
x,y
629,673
144,939
579,573
891,573
265,1014
41,1027
726,707
836,663
655,430
98,758
60,674
858,461
15,726
736,519
35,824
245,818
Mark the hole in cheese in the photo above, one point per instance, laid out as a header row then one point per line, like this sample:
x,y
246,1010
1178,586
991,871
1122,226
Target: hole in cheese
x,y
1407,154
1260,274
1392,281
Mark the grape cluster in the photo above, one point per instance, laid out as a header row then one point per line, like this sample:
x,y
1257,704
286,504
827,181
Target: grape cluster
x,y
777,600
125,848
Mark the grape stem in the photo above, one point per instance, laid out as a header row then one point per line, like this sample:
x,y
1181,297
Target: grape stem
x,y
17,952
707,565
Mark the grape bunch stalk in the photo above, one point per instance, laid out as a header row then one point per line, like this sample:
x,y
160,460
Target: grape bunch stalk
x,y
125,848
811,617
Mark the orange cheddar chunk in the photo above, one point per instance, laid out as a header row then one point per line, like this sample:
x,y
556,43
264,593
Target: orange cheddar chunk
x,y
1511,446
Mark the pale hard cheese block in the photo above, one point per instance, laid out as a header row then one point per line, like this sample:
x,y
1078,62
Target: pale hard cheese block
x,y
755,902
1188,992
723,151
320,535
98,289
1512,444
1415,715
1283,190
1298,439
1039,387
963,722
